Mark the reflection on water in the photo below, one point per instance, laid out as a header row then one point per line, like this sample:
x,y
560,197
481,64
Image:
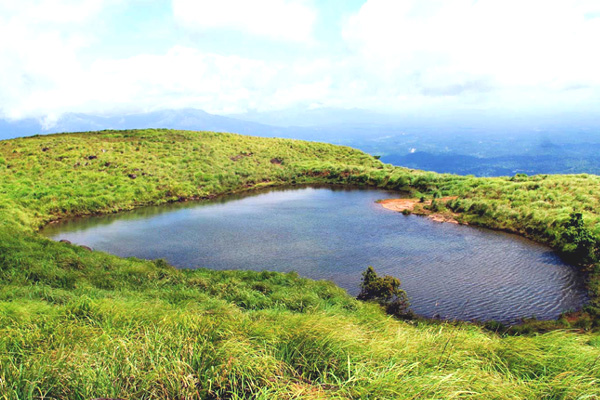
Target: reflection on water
x,y
332,233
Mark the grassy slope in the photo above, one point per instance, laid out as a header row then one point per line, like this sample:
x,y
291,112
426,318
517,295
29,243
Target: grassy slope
x,y
79,324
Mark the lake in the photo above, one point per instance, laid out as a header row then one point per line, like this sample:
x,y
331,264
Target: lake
x,y
449,271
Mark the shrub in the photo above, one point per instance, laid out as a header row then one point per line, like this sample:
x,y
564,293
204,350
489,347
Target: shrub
x,y
435,206
579,244
385,291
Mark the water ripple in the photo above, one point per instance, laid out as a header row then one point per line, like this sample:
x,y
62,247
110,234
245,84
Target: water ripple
x,y
450,271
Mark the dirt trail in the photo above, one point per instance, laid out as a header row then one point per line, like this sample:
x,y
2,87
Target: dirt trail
x,y
415,206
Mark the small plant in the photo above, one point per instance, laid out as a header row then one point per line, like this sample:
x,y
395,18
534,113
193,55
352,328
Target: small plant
x,y
435,206
385,291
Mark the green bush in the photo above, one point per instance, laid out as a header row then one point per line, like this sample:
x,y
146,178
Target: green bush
x,y
385,291
579,244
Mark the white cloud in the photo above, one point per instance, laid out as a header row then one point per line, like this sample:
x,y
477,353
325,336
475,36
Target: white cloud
x,y
182,77
53,11
43,73
443,46
402,55
39,50
290,20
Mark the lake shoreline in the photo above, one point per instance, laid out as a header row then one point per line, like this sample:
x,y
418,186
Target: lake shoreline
x,y
406,206
384,215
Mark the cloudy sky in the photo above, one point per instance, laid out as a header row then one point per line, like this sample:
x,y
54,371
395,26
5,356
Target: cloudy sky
x,y
234,56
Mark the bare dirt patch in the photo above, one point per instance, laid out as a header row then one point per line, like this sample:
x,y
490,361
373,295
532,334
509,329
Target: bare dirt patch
x,y
417,207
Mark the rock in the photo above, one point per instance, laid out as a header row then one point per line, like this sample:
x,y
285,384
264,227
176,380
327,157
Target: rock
x,y
240,156
132,176
86,248
65,241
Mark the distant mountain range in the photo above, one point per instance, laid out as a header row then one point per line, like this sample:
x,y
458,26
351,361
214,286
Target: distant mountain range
x,y
321,117
189,119
482,146
335,126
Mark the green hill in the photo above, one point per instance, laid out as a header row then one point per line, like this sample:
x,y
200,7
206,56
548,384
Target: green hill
x,y
76,324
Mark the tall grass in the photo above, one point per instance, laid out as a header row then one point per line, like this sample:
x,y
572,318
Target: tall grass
x,y
76,324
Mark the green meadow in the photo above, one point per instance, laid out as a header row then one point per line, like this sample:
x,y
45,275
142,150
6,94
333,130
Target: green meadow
x,y
80,324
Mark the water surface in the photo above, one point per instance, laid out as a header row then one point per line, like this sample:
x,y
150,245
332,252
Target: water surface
x,y
448,271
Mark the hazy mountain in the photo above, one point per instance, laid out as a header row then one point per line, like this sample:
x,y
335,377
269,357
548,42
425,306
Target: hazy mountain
x,y
189,119
319,126
25,127
319,117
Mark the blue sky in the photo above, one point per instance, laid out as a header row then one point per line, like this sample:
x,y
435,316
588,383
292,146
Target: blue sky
x,y
235,56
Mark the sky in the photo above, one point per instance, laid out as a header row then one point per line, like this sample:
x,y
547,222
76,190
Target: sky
x,y
110,57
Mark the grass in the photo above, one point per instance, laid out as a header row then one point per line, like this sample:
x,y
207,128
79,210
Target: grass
x,y
76,324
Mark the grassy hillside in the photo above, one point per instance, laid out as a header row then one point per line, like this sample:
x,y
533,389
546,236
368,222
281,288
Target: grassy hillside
x,y
76,324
